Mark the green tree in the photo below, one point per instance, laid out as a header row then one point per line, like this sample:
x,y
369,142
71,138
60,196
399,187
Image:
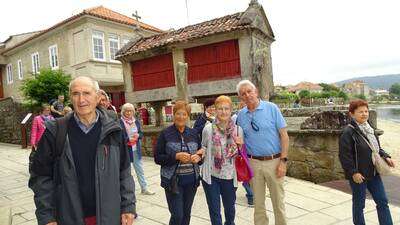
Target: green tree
x,y
360,96
46,85
304,94
395,89
342,94
328,87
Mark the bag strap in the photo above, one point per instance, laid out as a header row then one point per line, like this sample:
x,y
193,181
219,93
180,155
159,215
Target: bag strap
x,y
362,136
61,135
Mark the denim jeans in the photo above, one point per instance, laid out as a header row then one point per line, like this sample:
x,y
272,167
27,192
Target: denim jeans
x,y
249,192
227,191
180,205
375,187
138,166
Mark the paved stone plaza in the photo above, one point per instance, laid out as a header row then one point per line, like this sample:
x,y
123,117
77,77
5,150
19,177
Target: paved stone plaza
x,y
306,203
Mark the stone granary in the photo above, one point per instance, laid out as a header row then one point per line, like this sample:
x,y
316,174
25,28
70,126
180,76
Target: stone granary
x,y
200,60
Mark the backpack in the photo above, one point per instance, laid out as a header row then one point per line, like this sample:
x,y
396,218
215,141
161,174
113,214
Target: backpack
x,y
61,134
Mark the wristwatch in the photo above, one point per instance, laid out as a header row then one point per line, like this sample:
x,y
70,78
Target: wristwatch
x,y
284,159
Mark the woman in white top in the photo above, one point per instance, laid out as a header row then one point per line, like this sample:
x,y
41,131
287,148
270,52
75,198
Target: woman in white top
x,y
220,141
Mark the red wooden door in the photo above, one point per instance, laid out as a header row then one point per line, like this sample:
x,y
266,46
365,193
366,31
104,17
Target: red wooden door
x,y
1,83
117,99
152,73
213,62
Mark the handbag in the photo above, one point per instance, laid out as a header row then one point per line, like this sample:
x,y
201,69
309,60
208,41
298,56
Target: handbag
x,y
244,173
380,163
173,182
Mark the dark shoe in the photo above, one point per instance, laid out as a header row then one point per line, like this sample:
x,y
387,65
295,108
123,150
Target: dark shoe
x,y
250,203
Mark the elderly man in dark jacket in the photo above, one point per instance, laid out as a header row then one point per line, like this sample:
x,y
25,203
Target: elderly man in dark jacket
x,y
90,181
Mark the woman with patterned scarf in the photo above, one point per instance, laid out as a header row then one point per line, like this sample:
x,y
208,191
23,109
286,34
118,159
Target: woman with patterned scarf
x,y
133,135
220,141
357,144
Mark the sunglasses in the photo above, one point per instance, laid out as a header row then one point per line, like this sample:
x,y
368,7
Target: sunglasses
x,y
254,125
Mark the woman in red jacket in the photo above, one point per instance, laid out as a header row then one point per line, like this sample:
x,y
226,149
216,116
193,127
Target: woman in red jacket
x,y
38,125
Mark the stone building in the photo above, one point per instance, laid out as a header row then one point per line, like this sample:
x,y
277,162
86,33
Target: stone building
x,y
84,44
200,60
357,87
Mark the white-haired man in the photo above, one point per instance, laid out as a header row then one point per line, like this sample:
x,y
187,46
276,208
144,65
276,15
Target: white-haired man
x,y
84,179
267,143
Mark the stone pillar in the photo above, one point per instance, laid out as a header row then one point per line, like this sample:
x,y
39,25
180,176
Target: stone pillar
x,y
158,106
182,82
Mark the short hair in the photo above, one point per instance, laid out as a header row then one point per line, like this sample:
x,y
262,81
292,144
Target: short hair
x,y
209,102
242,83
94,83
104,93
67,109
223,99
181,105
45,106
126,106
357,103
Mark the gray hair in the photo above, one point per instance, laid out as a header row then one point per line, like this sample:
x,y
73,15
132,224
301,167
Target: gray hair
x,y
102,92
243,83
94,83
126,106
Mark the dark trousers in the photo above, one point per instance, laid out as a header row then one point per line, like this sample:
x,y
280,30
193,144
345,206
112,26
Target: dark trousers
x,y
227,191
249,192
375,187
180,205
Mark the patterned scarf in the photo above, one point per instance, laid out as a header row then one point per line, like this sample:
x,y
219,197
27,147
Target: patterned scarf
x,y
369,132
130,125
219,151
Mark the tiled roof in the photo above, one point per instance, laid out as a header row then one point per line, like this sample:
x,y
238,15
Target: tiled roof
x,y
305,86
215,26
108,14
100,12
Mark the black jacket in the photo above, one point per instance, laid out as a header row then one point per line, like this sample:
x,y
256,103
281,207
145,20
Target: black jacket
x,y
115,190
355,154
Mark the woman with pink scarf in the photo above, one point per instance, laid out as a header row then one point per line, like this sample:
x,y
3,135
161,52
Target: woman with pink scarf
x,y
132,136
221,140
38,126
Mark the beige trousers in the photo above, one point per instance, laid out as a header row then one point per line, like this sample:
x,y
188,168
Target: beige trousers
x,y
265,175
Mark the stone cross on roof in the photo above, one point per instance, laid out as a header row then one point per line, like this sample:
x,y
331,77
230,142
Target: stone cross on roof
x,y
137,17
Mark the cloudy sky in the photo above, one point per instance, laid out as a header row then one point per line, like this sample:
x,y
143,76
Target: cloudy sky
x,y
317,41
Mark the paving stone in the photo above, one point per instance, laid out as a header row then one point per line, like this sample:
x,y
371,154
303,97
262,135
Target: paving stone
x,y
306,202
315,218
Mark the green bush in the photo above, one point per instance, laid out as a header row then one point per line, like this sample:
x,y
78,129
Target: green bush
x,y
45,86
304,94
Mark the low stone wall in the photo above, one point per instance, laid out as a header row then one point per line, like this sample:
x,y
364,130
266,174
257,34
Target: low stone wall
x,y
313,155
12,114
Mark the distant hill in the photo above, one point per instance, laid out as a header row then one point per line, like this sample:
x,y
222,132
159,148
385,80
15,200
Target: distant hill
x,y
376,82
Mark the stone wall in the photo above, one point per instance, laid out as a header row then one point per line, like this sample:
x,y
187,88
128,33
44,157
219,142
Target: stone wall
x,y
313,155
12,114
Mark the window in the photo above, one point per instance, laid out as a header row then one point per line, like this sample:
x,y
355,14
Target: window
x,y
53,56
35,63
20,74
114,45
98,45
9,74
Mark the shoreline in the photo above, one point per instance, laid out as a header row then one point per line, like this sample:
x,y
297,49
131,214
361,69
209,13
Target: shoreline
x,y
390,141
